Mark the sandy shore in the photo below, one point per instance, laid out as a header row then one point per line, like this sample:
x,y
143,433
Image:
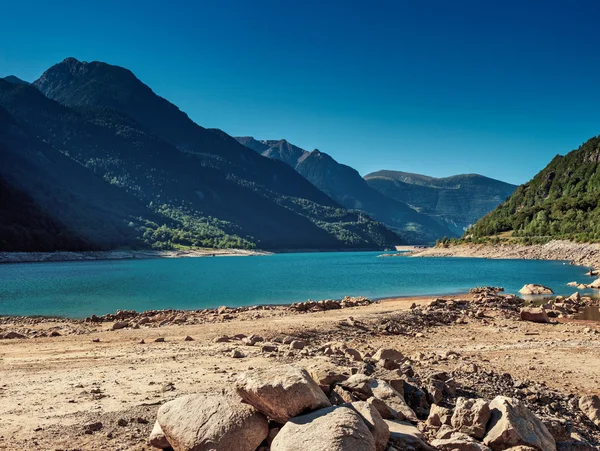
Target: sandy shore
x,y
30,257
584,254
51,387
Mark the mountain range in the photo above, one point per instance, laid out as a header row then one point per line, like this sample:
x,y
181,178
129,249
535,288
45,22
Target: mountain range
x,y
418,207
561,201
457,201
94,159
184,185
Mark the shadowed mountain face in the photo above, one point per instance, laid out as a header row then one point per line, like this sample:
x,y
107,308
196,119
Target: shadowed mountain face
x,y
458,201
16,80
48,201
561,201
179,184
346,186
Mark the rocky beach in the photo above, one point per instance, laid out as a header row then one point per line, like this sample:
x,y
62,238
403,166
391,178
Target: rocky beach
x,y
585,254
472,372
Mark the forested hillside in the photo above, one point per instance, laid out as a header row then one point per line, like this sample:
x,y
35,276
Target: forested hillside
x,y
561,201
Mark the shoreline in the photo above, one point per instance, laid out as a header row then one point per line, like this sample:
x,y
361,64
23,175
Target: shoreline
x,y
73,256
286,305
68,256
581,254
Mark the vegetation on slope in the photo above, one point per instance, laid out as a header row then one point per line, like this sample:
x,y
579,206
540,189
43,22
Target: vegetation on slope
x,y
560,202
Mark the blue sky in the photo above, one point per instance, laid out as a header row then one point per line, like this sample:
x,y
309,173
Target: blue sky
x,y
435,87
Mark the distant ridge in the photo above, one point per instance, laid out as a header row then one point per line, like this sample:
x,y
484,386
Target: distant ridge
x,y
345,185
16,80
458,200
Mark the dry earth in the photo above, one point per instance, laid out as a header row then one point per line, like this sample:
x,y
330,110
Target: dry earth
x,y
52,387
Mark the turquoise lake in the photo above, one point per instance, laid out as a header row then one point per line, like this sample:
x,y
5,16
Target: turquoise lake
x,y
79,289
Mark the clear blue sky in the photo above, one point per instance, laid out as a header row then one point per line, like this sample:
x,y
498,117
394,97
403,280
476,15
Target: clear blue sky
x,y
435,87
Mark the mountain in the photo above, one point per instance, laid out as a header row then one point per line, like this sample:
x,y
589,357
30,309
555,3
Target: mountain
x,y
561,201
50,202
16,80
187,186
458,201
345,185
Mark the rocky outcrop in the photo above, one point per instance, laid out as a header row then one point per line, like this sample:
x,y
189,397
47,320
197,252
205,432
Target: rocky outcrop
x,y
471,417
211,422
535,289
513,424
372,418
281,392
335,428
534,314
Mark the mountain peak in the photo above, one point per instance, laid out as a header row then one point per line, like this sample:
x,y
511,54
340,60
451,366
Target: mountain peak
x,y
15,80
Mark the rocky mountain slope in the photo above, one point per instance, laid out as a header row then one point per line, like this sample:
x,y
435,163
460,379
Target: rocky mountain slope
x,y
346,186
177,184
458,201
561,201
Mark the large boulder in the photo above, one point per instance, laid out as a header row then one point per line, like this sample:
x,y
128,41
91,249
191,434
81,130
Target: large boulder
x,y
157,437
534,288
211,422
513,424
372,418
281,392
595,284
338,428
388,354
459,442
384,391
406,436
590,406
471,417
358,385
534,314
325,374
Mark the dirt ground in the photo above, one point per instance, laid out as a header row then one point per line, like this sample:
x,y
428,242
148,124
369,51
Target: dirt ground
x,y
53,388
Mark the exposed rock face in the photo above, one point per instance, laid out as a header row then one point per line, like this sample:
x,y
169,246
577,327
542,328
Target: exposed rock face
x,y
157,438
590,405
406,436
513,424
336,428
379,429
534,314
534,288
281,392
211,422
471,417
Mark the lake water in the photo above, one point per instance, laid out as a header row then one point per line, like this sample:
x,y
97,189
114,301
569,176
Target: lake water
x,y
79,289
